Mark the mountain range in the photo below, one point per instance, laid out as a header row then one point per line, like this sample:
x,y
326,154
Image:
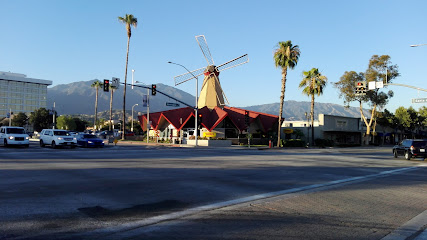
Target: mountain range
x,y
79,98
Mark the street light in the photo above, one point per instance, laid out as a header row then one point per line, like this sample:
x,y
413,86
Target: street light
x,y
417,45
197,96
148,111
132,77
136,104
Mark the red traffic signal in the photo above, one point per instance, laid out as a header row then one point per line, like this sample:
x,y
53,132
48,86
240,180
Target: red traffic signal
x,y
153,89
106,85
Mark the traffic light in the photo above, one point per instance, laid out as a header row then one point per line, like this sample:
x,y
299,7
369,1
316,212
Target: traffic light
x,y
199,121
106,85
360,88
247,118
153,89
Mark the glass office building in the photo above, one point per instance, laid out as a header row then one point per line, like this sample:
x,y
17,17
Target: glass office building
x,y
21,94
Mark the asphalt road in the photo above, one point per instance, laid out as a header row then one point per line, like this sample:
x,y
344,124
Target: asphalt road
x,y
156,192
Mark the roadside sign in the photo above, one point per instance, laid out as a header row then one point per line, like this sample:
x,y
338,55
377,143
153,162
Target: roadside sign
x,y
374,85
145,100
169,104
419,100
115,82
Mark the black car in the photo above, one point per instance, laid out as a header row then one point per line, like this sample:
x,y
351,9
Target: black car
x,y
411,148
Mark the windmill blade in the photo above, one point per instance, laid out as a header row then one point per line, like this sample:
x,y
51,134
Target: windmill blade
x,y
205,49
234,63
188,76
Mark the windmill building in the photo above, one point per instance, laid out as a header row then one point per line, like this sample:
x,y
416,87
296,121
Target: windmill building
x,y
215,118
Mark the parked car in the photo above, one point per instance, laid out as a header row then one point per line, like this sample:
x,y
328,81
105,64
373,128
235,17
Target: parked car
x,y
89,140
105,134
14,136
57,137
411,148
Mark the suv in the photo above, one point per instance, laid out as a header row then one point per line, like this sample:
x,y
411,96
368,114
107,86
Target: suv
x,y
56,137
411,148
14,136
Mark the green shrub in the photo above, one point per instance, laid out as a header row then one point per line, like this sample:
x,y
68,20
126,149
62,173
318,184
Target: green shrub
x,y
323,142
293,143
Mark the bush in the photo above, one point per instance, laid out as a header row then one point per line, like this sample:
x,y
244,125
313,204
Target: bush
x,y
323,142
293,143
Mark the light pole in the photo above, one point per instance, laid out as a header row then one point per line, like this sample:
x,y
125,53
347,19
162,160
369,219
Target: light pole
x,y
132,77
136,104
148,111
197,97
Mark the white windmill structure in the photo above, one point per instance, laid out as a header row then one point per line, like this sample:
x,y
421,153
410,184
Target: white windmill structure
x,y
211,94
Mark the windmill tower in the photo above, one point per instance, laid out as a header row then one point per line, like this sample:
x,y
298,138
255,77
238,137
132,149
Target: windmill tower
x,y
211,94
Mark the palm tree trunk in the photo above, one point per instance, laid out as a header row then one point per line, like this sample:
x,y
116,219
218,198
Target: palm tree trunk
x,y
282,98
96,108
312,119
124,92
111,108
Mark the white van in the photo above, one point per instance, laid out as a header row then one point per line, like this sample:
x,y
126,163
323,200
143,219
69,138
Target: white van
x,y
14,136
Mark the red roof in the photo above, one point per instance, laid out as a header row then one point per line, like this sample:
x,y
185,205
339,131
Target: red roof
x,y
210,118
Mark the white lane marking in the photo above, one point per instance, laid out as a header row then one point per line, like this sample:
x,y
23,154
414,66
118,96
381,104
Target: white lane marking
x,y
192,211
409,228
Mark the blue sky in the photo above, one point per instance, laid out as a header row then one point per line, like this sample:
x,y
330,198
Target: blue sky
x,y
69,41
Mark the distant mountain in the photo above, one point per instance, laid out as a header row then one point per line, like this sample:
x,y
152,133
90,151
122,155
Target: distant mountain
x,y
79,98
294,110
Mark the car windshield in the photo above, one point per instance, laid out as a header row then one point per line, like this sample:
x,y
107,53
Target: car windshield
x,y
89,136
419,143
15,130
61,133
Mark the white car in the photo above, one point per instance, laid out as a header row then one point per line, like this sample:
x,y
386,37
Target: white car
x,y
14,136
57,137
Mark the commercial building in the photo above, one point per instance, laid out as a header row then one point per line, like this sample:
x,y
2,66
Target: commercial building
x,y
21,94
341,130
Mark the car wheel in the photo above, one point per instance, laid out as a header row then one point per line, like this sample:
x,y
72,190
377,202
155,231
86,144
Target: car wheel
x,y
5,143
41,143
407,155
53,144
85,145
395,154
27,145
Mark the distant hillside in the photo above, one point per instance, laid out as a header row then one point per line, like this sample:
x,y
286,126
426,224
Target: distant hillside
x,y
294,110
79,98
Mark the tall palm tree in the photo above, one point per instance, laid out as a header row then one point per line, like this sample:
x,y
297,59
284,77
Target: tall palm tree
x,y
129,20
112,89
313,83
97,85
285,56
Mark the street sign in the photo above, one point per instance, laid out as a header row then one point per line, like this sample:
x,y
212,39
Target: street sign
x,y
145,100
374,85
419,100
169,104
115,82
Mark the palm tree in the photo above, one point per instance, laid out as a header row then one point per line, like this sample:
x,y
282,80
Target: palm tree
x,y
285,56
97,85
112,89
129,20
313,83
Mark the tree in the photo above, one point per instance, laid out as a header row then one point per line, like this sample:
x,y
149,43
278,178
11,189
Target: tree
x,y
80,124
129,20
112,89
423,115
97,85
380,69
313,83
285,56
20,120
403,118
41,118
66,122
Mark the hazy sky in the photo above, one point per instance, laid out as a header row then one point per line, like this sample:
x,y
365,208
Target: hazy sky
x,y
70,41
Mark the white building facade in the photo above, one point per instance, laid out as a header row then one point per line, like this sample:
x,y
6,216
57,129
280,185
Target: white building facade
x,y
21,94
